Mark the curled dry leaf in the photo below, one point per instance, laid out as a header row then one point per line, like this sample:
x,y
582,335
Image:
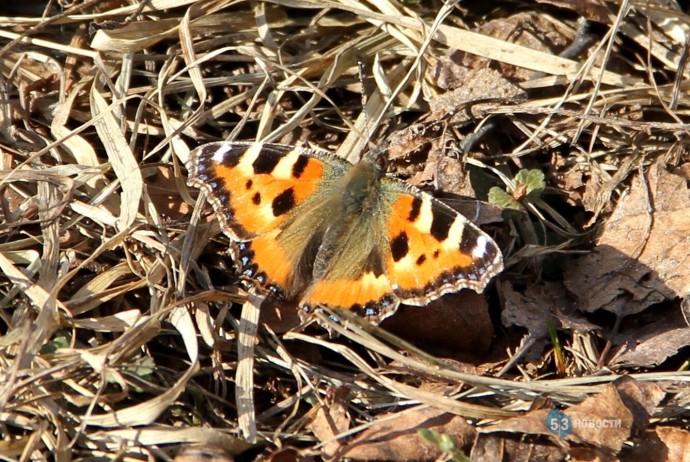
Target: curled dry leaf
x,y
328,423
643,252
396,437
653,343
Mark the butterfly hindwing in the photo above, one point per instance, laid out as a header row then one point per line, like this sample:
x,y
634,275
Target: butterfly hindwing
x,y
435,250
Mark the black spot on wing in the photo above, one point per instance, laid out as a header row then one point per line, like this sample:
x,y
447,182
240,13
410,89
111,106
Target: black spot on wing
x,y
265,162
414,210
248,185
420,261
468,240
232,158
299,166
284,202
256,199
440,225
399,247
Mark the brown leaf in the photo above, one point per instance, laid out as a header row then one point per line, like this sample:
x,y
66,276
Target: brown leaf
x,y
531,310
541,303
643,253
641,398
329,422
397,438
439,324
652,344
290,454
677,441
471,87
663,444
490,448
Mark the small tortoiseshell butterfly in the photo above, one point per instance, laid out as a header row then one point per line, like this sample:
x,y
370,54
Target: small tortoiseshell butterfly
x,y
309,226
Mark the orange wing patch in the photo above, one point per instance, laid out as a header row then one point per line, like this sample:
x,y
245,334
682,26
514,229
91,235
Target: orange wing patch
x,y
433,250
359,295
266,200
265,262
254,188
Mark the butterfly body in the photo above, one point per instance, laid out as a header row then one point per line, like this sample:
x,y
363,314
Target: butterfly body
x,y
309,226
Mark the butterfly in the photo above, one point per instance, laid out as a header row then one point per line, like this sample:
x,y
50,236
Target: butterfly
x,y
308,226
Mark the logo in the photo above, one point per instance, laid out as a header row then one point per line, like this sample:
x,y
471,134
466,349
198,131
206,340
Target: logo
x,y
559,423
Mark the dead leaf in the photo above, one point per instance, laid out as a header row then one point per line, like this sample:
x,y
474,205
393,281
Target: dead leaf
x,y
396,438
480,84
452,177
490,448
653,343
663,444
677,441
329,422
531,310
641,398
643,252
439,324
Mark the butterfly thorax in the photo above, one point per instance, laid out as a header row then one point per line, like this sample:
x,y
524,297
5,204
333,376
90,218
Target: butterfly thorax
x,y
353,208
359,192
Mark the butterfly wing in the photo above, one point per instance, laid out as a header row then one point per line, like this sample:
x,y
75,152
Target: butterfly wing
x,y
257,190
434,250
410,248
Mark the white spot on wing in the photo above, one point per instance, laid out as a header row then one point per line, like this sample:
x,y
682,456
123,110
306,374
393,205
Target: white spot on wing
x,y
426,216
248,158
454,233
219,155
283,170
480,249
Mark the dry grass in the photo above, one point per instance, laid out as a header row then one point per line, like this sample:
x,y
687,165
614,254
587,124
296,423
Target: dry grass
x,y
118,334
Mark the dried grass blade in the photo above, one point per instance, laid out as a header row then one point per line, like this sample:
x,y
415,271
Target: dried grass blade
x,y
244,377
161,434
517,55
147,412
121,157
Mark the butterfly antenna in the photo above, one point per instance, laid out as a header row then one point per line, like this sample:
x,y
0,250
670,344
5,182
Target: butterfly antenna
x,y
368,133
